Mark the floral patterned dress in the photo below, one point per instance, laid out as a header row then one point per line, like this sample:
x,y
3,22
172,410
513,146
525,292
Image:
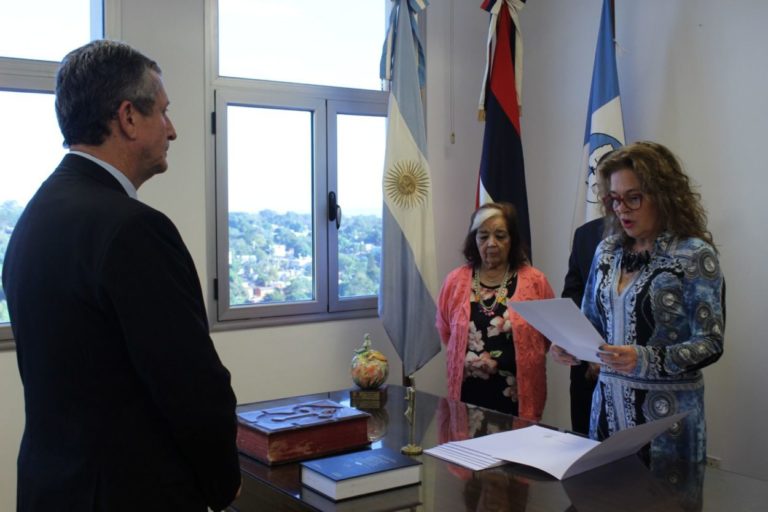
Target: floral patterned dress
x,y
489,364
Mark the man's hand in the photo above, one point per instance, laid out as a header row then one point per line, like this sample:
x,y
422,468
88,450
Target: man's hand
x,y
562,356
593,371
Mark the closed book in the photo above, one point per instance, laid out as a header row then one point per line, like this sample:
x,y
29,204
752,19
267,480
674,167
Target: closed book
x,y
300,431
392,500
362,472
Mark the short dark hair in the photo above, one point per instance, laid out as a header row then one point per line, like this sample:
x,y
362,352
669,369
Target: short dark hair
x,y
93,81
518,253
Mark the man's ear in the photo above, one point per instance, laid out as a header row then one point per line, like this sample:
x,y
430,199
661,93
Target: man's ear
x,y
126,119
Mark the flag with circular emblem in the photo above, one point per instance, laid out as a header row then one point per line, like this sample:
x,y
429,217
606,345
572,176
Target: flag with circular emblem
x,y
409,284
605,124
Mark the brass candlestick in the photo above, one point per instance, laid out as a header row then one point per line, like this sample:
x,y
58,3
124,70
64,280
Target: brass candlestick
x,y
410,395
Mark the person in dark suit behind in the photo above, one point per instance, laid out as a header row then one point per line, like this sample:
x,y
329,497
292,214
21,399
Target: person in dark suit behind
x,y
128,406
586,238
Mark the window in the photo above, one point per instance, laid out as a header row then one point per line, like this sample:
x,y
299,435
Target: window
x,y
299,144
34,37
48,29
330,42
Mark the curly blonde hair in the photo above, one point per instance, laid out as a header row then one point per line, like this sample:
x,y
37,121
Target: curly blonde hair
x,y
662,178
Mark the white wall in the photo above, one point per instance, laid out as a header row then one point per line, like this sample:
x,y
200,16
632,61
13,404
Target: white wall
x,y
691,76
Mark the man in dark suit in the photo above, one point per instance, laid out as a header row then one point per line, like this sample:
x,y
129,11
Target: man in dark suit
x,y
583,376
128,406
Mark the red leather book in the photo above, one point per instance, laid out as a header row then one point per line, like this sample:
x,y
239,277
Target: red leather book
x,y
300,431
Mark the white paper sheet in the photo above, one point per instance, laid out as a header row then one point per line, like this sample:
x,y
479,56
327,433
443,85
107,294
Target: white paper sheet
x,y
560,454
564,324
549,450
463,456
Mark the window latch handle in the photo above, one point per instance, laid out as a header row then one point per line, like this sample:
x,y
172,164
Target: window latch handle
x,y
334,210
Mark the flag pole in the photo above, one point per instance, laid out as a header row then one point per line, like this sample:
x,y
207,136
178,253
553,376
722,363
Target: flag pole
x,y
409,284
409,383
613,17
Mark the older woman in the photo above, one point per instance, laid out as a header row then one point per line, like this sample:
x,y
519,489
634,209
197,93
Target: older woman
x,y
494,358
655,294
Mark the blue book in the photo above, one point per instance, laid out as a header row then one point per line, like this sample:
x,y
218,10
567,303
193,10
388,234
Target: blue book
x,y
362,472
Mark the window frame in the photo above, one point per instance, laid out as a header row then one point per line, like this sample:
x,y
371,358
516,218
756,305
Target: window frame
x,y
325,307
335,108
259,99
39,81
39,77
324,102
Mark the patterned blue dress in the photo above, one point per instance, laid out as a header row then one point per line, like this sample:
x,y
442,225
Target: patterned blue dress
x,y
672,313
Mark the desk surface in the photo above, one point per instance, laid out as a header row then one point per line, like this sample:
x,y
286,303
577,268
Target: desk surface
x,y
626,485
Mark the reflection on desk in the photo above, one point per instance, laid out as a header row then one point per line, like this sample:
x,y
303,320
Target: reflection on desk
x,y
627,485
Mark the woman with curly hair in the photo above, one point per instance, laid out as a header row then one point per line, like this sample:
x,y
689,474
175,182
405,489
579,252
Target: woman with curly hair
x,y
655,294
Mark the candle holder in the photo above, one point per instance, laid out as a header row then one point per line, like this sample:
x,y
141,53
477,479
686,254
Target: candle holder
x,y
410,395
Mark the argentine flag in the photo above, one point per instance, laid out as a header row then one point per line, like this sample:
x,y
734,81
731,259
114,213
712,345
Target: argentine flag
x,y
605,126
409,284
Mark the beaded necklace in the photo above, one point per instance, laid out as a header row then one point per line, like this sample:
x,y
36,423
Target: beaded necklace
x,y
501,292
634,261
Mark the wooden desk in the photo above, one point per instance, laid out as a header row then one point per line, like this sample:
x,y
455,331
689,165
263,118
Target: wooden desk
x,y
626,485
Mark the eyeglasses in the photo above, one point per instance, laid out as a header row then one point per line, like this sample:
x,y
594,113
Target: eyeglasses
x,y
632,201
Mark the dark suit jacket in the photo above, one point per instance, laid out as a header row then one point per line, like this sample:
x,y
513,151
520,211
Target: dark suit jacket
x,y
128,406
586,238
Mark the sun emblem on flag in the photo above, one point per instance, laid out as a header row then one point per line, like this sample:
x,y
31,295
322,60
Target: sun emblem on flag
x,y
407,183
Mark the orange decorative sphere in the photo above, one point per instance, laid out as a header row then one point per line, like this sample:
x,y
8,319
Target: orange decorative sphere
x,y
370,368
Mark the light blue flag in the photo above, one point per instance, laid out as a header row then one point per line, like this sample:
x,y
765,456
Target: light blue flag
x,y
605,126
409,284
